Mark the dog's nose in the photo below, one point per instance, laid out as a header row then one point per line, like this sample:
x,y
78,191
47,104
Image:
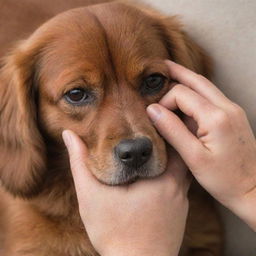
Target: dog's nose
x,y
134,152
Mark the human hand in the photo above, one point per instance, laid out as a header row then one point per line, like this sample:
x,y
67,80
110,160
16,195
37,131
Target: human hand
x,y
222,154
144,218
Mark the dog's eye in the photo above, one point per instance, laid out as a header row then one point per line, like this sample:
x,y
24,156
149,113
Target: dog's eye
x,y
153,84
77,96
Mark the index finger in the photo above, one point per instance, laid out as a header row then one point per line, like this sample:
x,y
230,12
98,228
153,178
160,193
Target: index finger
x,y
198,83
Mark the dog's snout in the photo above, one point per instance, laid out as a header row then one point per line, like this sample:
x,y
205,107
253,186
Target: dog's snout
x,y
134,152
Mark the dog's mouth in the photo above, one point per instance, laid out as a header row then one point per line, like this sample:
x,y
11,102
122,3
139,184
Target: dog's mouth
x,y
127,181
129,176
130,160
126,176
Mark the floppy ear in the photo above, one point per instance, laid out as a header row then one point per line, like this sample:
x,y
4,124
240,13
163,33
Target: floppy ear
x,y
182,49
22,151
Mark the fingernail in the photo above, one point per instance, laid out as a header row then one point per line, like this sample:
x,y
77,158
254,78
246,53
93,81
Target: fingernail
x,y
66,138
154,112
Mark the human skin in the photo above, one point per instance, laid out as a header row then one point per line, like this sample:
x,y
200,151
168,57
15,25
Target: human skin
x,y
143,218
222,153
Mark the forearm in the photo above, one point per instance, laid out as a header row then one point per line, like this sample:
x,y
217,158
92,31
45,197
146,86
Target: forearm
x,y
145,248
159,246
135,252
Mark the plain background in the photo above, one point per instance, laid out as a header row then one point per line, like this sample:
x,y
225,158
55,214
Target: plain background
x,y
226,29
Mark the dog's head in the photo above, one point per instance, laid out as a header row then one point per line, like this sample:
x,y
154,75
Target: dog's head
x,y
92,70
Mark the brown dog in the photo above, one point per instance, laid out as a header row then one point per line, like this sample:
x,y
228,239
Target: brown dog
x,y
92,70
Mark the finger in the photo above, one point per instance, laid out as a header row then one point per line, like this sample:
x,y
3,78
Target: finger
x,y
83,179
189,102
179,170
198,83
175,132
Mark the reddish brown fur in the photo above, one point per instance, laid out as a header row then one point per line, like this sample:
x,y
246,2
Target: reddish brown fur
x,y
119,45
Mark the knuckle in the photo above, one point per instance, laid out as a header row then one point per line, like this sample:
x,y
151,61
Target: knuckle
x,y
177,88
220,119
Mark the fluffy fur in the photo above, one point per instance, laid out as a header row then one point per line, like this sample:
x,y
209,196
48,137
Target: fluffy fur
x,y
107,48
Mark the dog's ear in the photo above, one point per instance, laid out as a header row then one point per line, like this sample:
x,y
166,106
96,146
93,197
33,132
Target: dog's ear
x,y
182,49
22,150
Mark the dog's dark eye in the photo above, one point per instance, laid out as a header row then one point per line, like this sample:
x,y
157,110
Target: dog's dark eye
x,y
153,84
77,96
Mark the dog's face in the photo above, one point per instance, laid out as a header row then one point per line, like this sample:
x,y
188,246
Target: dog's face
x,y
94,71
97,79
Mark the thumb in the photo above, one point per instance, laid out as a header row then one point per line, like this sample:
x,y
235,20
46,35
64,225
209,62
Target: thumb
x,y
175,132
77,151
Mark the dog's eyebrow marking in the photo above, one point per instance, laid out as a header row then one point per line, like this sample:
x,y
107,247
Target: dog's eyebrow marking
x,y
109,53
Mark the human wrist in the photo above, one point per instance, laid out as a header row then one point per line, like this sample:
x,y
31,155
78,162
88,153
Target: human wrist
x,y
132,251
136,253
245,207
248,212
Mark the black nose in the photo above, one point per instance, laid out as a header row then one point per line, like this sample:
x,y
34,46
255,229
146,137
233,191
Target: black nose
x,y
134,152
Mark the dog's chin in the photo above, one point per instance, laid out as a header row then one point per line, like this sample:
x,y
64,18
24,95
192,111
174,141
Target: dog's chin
x,y
127,176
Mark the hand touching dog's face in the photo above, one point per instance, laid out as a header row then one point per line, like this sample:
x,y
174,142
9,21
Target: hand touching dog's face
x,y
94,70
